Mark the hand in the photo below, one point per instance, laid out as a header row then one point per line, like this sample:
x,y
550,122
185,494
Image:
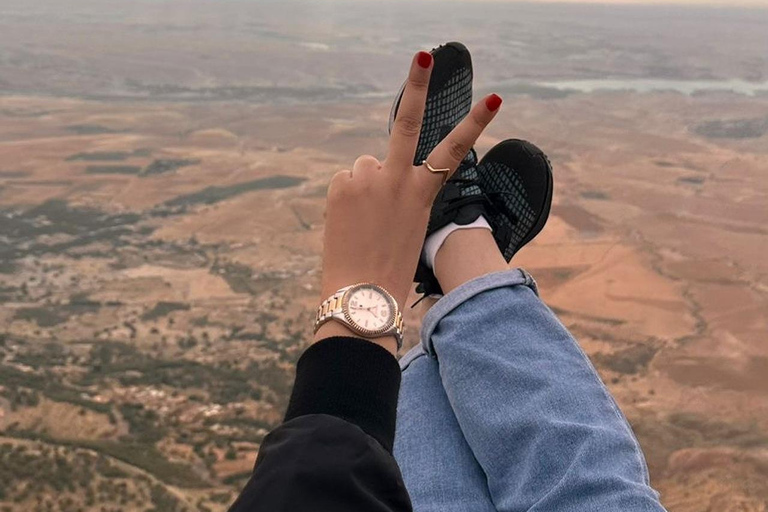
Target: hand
x,y
377,213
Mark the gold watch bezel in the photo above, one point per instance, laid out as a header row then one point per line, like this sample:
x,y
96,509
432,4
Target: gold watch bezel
x,y
371,333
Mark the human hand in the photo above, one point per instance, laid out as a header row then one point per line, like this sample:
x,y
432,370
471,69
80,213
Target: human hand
x,y
377,213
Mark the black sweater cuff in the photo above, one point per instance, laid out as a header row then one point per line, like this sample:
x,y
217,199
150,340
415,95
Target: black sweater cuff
x,y
352,379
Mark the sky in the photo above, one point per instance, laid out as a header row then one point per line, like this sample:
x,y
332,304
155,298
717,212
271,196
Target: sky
x,y
750,3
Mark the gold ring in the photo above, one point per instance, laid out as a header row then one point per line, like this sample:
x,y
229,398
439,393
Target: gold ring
x,y
431,169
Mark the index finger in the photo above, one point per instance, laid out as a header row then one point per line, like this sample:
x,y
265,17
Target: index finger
x,y
455,146
407,126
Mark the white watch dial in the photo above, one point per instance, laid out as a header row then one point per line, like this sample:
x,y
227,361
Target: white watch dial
x,y
369,308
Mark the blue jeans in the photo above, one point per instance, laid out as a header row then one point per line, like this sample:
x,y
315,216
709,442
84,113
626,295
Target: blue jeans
x,y
500,410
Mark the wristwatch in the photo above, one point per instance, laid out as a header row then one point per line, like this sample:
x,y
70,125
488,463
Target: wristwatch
x,y
365,308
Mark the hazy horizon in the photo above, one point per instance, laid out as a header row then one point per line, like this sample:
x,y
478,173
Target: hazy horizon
x,y
696,3
304,51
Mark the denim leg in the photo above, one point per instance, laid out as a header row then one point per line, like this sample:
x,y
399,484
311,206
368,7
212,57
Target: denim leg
x,y
438,468
539,421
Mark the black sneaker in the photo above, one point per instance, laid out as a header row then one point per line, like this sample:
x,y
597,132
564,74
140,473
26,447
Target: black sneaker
x,y
511,187
449,98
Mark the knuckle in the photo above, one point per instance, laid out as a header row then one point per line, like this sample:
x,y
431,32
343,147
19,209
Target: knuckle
x,y
409,125
338,178
337,187
457,150
366,160
478,120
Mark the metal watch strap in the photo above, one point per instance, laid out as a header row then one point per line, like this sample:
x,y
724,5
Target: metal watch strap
x,y
329,307
332,308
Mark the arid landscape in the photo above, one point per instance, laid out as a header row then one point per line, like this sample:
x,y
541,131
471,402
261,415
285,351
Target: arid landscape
x,y
161,216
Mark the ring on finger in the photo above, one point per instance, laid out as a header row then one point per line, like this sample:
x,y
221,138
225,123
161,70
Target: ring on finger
x,y
431,169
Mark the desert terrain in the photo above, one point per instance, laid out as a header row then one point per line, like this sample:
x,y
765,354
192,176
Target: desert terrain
x,y
160,239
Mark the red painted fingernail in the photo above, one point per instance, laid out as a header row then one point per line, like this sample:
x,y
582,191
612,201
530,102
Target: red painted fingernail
x,y
424,59
493,102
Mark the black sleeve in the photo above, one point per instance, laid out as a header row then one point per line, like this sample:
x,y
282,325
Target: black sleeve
x,y
334,450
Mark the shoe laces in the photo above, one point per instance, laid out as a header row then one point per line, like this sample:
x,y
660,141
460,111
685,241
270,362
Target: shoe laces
x,y
460,201
493,199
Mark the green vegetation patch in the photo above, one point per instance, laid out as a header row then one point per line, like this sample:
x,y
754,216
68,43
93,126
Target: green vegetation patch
x,y
162,166
595,194
56,216
49,354
163,501
712,432
52,315
112,169
13,377
17,384
751,128
661,436
212,195
91,129
240,278
629,361
100,156
142,455
42,316
144,424
224,384
693,180
85,226
150,459
8,267
29,472
162,309
237,479
75,397
108,156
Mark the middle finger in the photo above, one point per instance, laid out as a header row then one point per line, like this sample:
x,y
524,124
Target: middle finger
x,y
407,127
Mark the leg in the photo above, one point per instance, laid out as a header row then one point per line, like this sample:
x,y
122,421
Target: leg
x,y
439,470
539,421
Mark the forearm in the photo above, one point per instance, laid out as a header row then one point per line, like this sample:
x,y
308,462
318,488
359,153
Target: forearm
x,y
351,379
334,450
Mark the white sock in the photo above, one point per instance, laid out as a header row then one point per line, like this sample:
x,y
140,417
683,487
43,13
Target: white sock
x,y
434,241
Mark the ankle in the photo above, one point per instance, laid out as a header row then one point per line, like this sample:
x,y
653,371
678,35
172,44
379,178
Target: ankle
x,y
465,255
435,241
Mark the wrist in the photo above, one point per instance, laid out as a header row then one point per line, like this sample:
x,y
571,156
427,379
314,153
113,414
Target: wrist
x,y
364,310
332,328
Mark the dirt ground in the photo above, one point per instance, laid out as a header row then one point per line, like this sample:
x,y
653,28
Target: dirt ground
x,y
654,257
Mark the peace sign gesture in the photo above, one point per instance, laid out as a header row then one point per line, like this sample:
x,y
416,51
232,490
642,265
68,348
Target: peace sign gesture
x,y
377,213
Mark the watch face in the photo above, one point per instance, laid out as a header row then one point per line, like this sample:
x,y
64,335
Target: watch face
x,y
369,308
